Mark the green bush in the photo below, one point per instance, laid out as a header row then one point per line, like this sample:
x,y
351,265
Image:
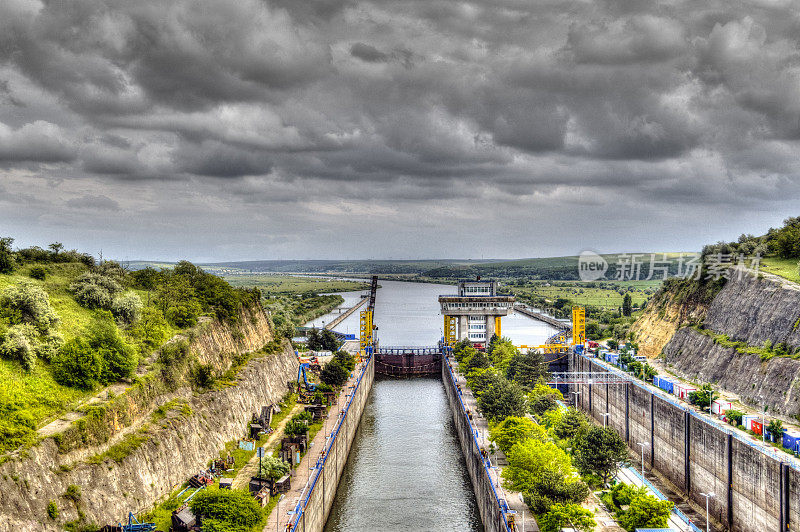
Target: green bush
x,y
295,428
562,516
38,272
502,399
272,467
184,315
95,290
6,255
127,307
203,375
77,365
152,330
227,510
73,493
333,374
52,510
346,360
27,303
101,357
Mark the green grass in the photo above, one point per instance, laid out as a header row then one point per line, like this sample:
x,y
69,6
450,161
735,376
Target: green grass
x,y
289,284
121,450
581,293
786,268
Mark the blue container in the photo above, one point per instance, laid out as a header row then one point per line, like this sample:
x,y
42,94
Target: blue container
x,y
664,383
791,440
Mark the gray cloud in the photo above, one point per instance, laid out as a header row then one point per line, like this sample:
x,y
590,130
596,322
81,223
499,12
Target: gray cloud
x,y
275,117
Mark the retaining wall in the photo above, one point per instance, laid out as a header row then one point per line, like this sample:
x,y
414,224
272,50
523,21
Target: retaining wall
x,y
490,505
313,509
757,489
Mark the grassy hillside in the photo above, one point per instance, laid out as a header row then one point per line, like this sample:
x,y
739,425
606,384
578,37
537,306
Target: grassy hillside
x,y
271,285
786,268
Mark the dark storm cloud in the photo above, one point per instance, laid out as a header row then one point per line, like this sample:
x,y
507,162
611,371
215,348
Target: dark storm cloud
x,y
274,112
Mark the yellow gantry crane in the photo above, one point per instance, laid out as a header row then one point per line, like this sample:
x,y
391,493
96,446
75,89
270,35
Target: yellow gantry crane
x,y
450,334
558,342
366,325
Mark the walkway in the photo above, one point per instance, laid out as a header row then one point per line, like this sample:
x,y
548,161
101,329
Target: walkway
x,y
302,473
346,314
524,518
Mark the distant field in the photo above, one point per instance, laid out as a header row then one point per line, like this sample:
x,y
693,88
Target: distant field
x,y
581,293
786,268
290,284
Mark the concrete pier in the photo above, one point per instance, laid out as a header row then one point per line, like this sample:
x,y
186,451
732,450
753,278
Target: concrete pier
x,y
346,314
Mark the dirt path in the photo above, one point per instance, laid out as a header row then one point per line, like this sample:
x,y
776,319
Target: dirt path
x,y
242,478
65,420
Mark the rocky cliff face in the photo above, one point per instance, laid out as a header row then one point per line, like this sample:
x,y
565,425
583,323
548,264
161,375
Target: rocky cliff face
x,y
214,340
775,383
176,447
752,309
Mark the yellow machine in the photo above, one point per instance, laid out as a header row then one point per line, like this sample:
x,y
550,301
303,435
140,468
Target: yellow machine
x,y
365,326
497,327
578,325
450,335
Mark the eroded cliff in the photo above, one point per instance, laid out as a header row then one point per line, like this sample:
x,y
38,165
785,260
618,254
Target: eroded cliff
x,y
174,445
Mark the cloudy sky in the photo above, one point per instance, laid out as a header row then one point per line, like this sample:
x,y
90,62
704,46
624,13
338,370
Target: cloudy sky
x,y
263,129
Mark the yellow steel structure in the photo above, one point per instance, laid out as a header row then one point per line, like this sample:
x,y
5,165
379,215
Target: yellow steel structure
x,y
578,325
450,335
497,326
365,327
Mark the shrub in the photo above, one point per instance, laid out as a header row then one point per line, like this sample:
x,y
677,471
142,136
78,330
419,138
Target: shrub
x,y
6,255
561,516
77,365
184,315
273,468
513,430
72,493
295,428
151,330
229,510
202,375
95,290
127,307
38,272
27,303
52,510
334,374
346,360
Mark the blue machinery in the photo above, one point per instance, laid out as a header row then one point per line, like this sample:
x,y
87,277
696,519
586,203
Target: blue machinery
x,y
301,372
135,526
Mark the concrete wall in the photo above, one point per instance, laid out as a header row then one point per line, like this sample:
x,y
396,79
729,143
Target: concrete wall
x,y
491,516
332,460
755,489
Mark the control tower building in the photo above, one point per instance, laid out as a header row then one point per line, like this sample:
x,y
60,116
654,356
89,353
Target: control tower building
x,y
474,312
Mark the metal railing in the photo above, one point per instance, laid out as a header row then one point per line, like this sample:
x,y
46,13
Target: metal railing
x,y
502,506
300,508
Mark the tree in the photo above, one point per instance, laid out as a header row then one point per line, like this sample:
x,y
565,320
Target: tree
x,y
480,380
562,516
127,307
600,451
775,428
526,369
6,255
333,374
573,424
346,360
627,305
543,398
612,344
513,430
478,360
703,397
530,460
646,511
502,399
734,417
28,303
56,247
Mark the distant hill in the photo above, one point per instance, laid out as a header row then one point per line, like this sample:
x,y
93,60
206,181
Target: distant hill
x,y
556,268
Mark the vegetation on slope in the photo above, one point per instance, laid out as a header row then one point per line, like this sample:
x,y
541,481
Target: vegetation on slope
x,y
69,325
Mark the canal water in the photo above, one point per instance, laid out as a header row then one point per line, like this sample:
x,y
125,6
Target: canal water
x,y
406,470
408,314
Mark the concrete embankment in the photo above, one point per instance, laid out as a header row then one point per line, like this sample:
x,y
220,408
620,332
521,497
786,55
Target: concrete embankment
x,y
317,499
490,504
542,317
346,314
755,487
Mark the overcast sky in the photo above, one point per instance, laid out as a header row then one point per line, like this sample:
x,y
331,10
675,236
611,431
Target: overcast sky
x,y
252,129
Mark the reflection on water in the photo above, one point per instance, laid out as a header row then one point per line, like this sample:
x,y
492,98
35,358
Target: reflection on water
x,y
405,470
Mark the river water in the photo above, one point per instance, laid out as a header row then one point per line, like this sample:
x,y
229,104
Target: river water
x,y
405,471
